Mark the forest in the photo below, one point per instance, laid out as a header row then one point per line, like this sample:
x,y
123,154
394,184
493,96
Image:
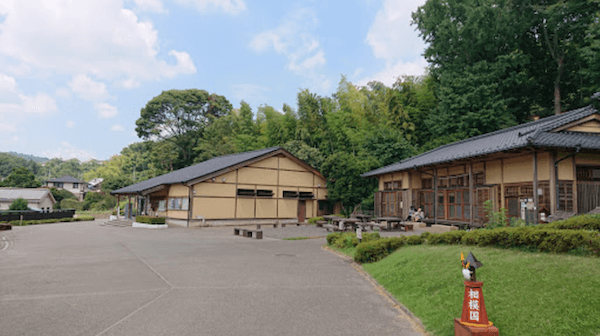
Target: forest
x,y
492,65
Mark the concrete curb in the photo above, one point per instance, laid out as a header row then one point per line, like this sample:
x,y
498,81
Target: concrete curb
x,y
149,226
381,290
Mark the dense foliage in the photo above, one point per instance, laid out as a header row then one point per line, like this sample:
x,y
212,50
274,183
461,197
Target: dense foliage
x,y
19,204
20,177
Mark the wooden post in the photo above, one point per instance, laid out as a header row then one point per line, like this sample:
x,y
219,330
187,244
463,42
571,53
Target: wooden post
x,y
190,203
435,195
575,201
118,206
535,188
502,190
471,196
129,206
552,182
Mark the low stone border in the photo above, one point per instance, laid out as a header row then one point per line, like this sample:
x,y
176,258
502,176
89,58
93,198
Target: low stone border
x,y
112,217
149,226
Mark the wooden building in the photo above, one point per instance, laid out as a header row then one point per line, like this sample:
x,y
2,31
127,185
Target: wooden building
x,y
532,170
245,188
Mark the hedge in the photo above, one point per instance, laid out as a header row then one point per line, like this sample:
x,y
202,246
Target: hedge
x,y
583,222
313,221
343,240
53,220
150,220
377,249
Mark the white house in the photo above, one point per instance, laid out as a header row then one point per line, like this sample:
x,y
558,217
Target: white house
x,y
69,183
37,198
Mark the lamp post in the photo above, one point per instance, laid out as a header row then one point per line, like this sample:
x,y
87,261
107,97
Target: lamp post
x,y
474,320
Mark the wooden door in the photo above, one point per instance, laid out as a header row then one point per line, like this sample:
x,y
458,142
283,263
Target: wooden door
x,y
301,211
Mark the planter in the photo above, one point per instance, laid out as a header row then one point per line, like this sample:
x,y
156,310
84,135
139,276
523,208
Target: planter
x,y
112,217
149,226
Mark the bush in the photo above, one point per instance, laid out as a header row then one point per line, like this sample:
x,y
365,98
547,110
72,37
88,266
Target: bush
x,y
19,204
61,194
450,237
98,201
52,220
414,240
583,222
114,212
313,221
69,203
150,220
348,239
332,237
373,251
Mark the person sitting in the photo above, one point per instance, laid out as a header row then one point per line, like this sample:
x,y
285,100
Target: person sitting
x,y
411,213
418,216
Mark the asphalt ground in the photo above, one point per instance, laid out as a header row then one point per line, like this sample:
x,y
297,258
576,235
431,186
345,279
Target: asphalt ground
x,y
85,278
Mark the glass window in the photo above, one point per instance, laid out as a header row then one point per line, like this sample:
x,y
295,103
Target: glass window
x,y
75,185
162,205
185,204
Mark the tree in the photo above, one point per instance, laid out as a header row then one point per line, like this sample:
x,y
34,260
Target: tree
x,y
304,152
61,194
344,183
19,204
21,177
181,116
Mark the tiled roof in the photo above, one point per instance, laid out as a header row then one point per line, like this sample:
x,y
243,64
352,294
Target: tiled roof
x,y
534,134
193,172
32,194
69,179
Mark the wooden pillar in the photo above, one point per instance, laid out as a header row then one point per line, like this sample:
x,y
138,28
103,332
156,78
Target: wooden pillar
x,y
409,195
129,206
553,173
575,201
118,206
435,195
471,196
502,190
535,188
190,204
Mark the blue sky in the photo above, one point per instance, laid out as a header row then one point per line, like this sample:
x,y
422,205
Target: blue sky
x,y
74,74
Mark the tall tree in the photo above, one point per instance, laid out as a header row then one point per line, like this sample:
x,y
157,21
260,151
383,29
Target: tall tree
x,y
181,116
21,177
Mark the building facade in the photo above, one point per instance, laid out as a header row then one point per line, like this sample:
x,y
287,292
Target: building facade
x,y
69,183
253,187
37,198
532,170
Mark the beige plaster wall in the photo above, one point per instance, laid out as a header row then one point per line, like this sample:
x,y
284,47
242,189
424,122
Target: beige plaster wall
x,y
215,189
245,207
493,174
592,126
214,207
293,178
565,167
543,166
179,190
288,164
179,214
266,208
518,169
267,163
288,208
257,176
587,159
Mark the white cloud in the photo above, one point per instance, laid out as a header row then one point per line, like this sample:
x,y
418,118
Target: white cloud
x,y
70,124
228,6
10,140
7,83
117,128
293,38
395,41
63,92
98,38
106,110
66,151
150,5
251,93
87,88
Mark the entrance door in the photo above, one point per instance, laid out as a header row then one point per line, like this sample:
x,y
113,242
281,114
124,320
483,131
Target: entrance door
x,y
301,211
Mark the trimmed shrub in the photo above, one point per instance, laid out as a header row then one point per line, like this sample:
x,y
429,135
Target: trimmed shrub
x,y
373,251
332,237
69,203
348,239
150,220
414,240
53,220
583,222
450,237
313,221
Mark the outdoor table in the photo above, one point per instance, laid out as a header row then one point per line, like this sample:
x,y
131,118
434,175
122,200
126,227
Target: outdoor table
x,y
389,220
347,221
364,218
331,218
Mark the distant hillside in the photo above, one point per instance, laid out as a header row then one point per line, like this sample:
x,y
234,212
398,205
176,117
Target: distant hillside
x,y
38,159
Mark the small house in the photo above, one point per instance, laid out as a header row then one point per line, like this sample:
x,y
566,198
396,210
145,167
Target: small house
x,y
37,198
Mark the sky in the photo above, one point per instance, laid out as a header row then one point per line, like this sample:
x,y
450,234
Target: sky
x,y
74,74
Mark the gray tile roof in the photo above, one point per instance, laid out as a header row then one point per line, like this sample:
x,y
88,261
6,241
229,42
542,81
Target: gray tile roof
x,y
193,172
535,134
30,194
69,179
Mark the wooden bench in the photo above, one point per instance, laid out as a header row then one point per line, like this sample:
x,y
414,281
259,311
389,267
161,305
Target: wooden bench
x,y
408,226
258,234
321,223
373,224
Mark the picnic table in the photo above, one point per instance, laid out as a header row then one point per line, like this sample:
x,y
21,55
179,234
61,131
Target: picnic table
x,y
363,218
395,221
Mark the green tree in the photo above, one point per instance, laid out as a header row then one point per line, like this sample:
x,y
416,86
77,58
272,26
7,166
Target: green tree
x,y
21,177
181,116
19,204
344,183
304,152
61,194
9,161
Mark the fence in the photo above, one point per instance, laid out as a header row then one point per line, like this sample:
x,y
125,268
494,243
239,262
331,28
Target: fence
x,y
7,216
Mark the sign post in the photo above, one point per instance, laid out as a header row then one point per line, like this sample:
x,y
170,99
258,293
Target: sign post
x,y
473,320
359,234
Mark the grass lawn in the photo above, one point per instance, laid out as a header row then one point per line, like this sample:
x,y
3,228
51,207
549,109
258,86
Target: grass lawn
x,y
300,238
525,293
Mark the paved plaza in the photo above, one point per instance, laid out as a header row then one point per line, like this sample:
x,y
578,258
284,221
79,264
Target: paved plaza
x,y
87,278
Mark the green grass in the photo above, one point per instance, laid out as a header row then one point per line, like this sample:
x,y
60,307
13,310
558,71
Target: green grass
x,y
298,238
525,293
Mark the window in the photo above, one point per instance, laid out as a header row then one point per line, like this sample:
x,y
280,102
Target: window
x,y
162,205
177,204
306,194
264,193
290,194
246,192
75,185
58,184
587,173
